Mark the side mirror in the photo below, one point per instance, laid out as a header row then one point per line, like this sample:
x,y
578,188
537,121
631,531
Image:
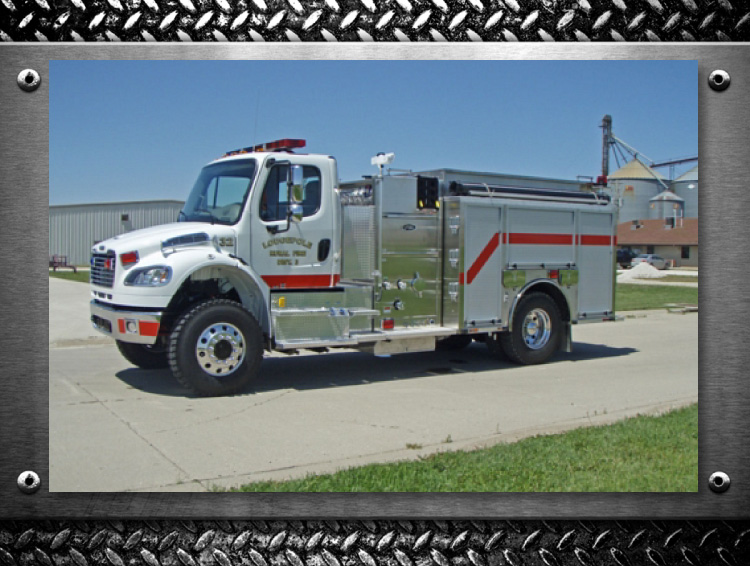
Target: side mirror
x,y
294,182
295,212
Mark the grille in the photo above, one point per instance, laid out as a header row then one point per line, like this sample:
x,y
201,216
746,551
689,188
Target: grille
x,y
103,269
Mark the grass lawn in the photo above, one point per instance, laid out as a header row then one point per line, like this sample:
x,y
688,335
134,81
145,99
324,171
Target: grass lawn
x,y
680,279
82,276
638,454
629,297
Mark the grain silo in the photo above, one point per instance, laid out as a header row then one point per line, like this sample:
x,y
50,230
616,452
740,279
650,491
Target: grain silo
x,y
74,228
635,184
686,186
666,205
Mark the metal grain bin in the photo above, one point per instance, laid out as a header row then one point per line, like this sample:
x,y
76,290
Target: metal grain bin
x,y
666,205
74,228
635,184
686,186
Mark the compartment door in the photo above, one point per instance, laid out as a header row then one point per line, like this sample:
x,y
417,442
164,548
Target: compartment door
x,y
482,265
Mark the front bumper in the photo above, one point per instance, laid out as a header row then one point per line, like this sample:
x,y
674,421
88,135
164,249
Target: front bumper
x,y
124,325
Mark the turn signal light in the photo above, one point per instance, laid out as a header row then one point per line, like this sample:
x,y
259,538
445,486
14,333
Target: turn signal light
x,y
129,258
554,273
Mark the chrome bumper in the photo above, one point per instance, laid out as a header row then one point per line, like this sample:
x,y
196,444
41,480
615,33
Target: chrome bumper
x,y
128,326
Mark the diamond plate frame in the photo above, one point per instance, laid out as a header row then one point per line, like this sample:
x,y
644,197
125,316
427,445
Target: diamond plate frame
x,y
374,20
368,528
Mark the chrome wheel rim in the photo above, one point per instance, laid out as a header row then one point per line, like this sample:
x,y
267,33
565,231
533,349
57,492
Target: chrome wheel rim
x,y
220,349
536,329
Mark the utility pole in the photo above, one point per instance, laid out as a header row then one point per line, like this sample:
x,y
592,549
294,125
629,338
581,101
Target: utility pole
x,y
606,141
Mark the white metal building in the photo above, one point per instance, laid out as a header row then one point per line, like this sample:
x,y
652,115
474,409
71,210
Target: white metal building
x,y
74,228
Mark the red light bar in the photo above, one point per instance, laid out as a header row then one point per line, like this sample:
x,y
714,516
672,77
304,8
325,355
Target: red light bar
x,y
278,145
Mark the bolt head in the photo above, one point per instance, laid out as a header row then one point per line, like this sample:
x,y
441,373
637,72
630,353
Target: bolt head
x,y
719,80
29,80
29,482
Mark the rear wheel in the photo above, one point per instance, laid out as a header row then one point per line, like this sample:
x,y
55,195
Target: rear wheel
x,y
144,356
216,348
536,333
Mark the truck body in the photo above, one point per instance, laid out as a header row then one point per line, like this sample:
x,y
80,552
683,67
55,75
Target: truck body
x,y
272,253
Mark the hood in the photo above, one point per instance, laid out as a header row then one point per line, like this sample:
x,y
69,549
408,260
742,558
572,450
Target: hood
x,y
148,240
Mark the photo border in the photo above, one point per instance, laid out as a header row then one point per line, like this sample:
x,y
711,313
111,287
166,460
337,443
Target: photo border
x,y
724,396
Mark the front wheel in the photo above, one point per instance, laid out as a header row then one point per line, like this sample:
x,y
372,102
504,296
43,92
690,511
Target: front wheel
x,y
216,348
144,356
536,333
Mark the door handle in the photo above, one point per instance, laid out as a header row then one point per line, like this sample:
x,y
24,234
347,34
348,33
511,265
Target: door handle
x,y
324,248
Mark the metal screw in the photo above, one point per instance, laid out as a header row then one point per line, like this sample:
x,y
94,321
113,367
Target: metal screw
x,y
29,80
719,80
718,482
29,482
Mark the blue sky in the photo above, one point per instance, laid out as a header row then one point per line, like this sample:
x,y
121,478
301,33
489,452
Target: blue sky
x,y
141,130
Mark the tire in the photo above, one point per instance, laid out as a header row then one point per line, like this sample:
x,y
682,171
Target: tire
x,y
453,343
226,339
536,333
143,356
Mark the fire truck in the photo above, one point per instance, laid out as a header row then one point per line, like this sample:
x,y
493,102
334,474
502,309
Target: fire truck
x,y
272,253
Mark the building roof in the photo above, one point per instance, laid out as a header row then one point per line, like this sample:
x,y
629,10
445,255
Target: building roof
x,y
118,203
691,175
636,170
653,232
668,196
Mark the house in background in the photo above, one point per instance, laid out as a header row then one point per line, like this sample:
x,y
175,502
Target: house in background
x,y
673,238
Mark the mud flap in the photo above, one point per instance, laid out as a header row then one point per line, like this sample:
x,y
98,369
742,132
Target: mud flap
x,y
566,341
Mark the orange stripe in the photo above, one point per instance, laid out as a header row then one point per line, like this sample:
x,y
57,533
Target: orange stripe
x,y
482,259
550,239
300,281
148,328
595,240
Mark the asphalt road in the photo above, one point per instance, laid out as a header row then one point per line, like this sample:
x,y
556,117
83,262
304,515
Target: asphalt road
x,y
114,427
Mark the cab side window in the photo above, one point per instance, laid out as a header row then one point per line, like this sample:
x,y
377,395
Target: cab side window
x,y
275,201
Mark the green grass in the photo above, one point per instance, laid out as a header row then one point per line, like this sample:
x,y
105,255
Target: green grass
x,y
637,454
629,297
680,279
81,276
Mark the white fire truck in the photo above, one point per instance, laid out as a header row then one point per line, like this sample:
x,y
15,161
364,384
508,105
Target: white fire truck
x,y
271,252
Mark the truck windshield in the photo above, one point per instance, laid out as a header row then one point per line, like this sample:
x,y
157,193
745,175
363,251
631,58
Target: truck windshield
x,y
220,192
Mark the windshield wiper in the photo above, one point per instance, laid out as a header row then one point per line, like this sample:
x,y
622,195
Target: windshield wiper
x,y
214,220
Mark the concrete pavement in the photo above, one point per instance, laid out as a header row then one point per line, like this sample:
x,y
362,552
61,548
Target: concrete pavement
x,y
117,428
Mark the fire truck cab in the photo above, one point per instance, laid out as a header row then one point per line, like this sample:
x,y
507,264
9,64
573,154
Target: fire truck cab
x,y
271,252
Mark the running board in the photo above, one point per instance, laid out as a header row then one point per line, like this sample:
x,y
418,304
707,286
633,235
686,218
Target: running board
x,y
366,340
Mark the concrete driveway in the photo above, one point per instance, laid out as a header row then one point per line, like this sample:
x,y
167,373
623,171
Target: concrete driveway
x,y
117,428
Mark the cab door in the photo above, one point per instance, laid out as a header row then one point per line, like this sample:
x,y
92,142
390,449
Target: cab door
x,y
288,251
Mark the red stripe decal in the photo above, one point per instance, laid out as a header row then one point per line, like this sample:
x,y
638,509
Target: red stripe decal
x,y
550,239
594,240
148,328
300,281
461,278
482,259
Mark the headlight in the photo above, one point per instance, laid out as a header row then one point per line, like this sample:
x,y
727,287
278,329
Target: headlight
x,y
156,276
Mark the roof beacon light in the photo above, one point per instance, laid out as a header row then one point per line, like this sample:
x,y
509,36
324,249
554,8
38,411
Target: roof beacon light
x,y
382,159
278,145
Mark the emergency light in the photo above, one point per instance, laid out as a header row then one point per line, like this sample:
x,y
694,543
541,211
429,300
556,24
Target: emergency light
x,y
278,145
